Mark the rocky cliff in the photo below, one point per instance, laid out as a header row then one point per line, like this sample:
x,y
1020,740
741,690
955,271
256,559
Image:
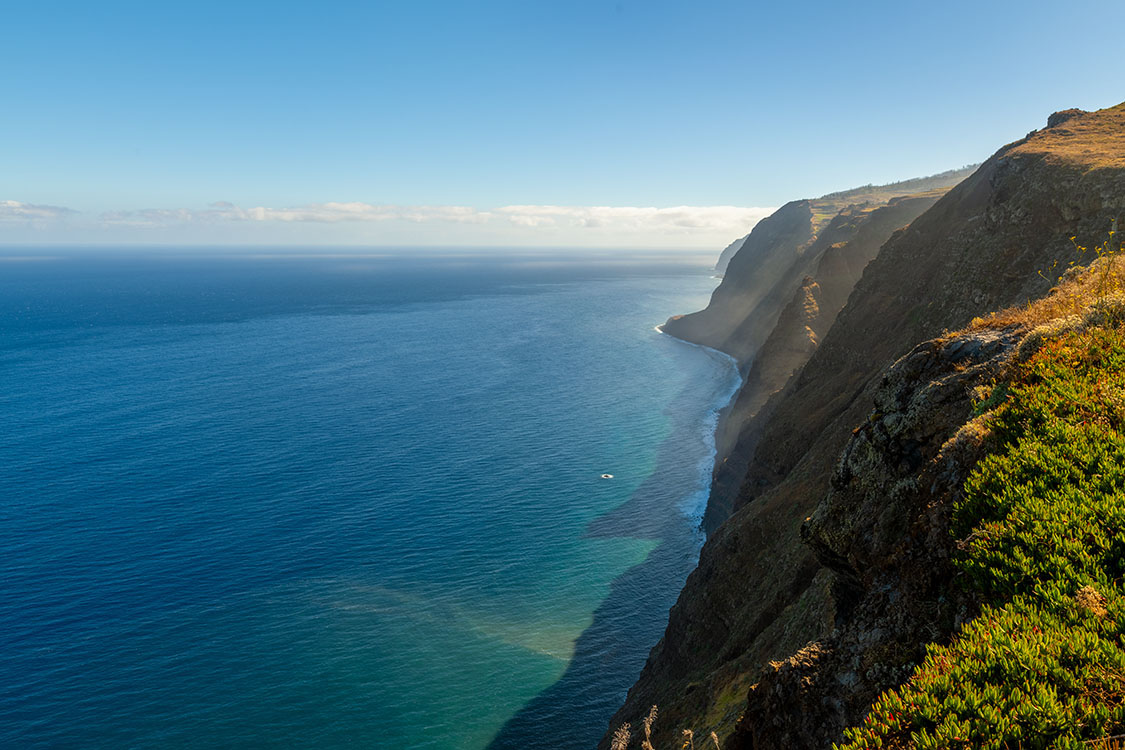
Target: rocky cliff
x,y
849,243
762,270
883,533
772,253
747,642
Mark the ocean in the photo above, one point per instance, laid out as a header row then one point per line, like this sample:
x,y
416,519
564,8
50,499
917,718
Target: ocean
x,y
342,499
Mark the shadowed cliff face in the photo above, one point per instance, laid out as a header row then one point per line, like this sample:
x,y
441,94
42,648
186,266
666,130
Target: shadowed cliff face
x,y
759,594
851,241
761,272
769,252
883,531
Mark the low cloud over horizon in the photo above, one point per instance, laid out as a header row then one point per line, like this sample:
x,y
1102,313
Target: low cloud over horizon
x,y
366,223
19,212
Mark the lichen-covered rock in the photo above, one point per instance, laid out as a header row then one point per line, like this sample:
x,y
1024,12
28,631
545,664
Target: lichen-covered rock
x,y
921,402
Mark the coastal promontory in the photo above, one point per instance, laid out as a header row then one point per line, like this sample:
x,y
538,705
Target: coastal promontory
x,y
861,538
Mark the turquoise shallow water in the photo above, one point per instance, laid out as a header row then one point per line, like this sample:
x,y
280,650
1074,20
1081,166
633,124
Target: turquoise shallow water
x,y
350,501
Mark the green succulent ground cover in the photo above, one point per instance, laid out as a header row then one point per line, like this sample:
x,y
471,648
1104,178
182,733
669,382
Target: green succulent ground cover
x,y
1044,514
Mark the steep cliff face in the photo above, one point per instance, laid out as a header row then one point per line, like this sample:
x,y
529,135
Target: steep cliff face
x,y
762,271
769,252
759,594
911,508
803,322
883,531
990,243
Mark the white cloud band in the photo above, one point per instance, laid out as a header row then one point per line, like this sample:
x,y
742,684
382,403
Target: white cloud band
x,y
515,224
316,212
18,211
678,219
633,218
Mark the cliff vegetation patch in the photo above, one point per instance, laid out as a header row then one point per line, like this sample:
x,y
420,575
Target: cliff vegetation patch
x,y
1042,530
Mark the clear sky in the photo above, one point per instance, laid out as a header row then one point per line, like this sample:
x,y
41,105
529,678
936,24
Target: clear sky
x,y
576,122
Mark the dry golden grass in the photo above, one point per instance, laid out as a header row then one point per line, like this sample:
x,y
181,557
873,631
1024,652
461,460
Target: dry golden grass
x,y
825,209
1108,743
646,743
1079,289
1096,139
622,736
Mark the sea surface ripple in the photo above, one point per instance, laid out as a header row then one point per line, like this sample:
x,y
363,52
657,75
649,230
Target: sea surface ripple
x,y
346,501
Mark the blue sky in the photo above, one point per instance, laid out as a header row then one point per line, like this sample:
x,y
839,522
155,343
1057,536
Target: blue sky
x,y
139,116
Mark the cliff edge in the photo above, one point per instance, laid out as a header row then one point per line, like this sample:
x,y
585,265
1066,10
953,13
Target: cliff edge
x,y
763,607
762,270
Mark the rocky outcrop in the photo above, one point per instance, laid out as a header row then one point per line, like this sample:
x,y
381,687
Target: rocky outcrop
x,y
1058,118
760,595
883,530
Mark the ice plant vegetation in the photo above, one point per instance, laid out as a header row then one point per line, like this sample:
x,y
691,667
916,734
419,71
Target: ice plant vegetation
x,y
1042,525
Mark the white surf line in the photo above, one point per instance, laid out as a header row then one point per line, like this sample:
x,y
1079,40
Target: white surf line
x,y
695,505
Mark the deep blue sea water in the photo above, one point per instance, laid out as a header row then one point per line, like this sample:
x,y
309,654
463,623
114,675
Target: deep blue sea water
x,y
285,500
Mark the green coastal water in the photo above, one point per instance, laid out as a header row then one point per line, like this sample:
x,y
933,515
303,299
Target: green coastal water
x,y
314,502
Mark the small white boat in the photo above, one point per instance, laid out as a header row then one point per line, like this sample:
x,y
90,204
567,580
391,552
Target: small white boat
x,y
607,476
